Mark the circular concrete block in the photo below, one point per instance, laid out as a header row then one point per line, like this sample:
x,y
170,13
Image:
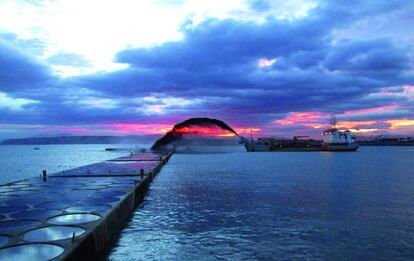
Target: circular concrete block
x,y
52,233
72,219
31,252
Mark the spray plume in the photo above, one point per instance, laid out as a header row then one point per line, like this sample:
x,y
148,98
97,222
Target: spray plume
x,y
177,132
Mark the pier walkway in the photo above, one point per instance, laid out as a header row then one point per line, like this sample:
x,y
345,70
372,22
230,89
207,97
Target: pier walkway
x,y
73,214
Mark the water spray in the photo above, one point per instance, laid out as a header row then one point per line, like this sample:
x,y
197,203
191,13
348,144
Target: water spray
x,y
176,135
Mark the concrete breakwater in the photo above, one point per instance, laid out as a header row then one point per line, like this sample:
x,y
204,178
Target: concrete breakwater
x,y
74,214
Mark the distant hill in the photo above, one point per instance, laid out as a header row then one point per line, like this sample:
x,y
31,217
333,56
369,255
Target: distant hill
x,y
80,140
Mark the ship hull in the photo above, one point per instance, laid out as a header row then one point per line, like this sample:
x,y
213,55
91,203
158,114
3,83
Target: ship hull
x,y
348,147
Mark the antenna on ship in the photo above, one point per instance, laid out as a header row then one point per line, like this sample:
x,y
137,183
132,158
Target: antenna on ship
x,y
251,133
333,121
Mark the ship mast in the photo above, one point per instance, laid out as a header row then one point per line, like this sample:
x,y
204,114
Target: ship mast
x,y
333,121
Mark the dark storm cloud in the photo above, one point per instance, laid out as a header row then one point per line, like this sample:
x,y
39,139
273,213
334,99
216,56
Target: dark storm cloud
x,y
366,56
217,62
218,44
219,58
19,71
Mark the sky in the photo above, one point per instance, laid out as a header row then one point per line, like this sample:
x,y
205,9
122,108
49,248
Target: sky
x,y
281,68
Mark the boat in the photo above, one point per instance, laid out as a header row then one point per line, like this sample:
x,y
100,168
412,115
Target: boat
x,y
333,140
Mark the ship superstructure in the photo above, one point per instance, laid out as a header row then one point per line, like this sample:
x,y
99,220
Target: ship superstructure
x,y
336,140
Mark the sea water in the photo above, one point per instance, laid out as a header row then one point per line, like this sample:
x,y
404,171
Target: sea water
x,y
277,206
24,161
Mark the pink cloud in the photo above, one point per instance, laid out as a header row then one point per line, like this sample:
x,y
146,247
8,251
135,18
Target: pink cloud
x,y
68,130
309,119
371,110
138,128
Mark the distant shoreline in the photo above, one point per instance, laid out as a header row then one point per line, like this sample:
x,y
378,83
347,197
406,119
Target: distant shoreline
x,y
61,140
80,140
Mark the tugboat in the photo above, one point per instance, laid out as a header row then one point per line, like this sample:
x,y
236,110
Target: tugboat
x,y
333,140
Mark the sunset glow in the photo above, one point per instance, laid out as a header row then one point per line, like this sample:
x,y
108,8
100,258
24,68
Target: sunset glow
x,y
215,131
136,128
319,120
371,110
297,118
353,124
264,62
205,131
400,123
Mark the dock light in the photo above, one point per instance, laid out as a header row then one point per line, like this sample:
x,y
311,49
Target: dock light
x,y
44,175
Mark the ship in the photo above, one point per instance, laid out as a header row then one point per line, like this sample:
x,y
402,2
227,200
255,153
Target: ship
x,y
333,140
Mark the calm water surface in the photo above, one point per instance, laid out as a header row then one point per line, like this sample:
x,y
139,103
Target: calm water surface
x,y
283,206
21,161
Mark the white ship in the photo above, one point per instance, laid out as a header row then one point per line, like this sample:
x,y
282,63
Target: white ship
x,y
333,140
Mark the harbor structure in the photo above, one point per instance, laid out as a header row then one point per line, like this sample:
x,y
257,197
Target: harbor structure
x,y
333,140
74,214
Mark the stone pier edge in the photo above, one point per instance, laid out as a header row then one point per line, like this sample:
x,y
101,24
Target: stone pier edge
x,y
95,243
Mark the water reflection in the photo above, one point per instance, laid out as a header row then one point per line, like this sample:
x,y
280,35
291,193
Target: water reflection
x,y
89,209
69,219
267,206
37,213
32,252
53,233
3,240
17,225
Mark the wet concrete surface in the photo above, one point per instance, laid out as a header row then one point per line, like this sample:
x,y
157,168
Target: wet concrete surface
x,y
74,213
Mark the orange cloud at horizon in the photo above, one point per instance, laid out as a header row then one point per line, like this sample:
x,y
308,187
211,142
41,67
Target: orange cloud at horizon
x,y
363,130
353,124
301,121
216,131
400,123
204,131
247,130
161,129
316,120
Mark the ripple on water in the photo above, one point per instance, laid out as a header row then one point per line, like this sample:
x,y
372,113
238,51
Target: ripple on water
x,y
13,226
351,206
3,240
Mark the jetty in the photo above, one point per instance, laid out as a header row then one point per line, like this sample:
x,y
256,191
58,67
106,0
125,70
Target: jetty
x,y
75,214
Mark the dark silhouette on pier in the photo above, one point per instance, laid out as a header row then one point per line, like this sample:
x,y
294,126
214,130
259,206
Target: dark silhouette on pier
x,y
176,134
